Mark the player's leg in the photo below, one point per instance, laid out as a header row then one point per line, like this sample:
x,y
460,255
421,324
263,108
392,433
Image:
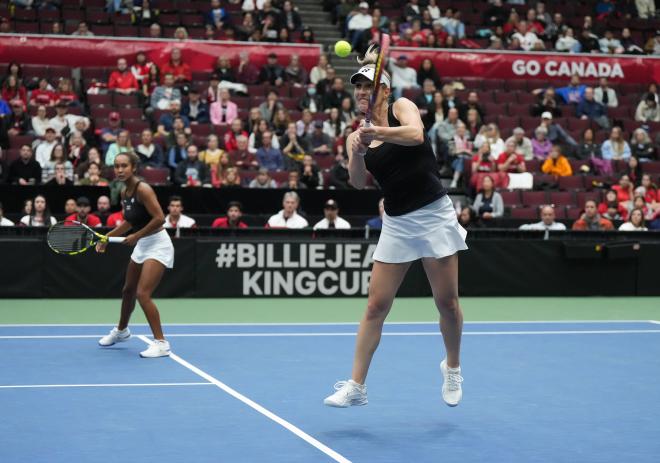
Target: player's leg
x,y
128,293
152,273
121,333
443,277
385,281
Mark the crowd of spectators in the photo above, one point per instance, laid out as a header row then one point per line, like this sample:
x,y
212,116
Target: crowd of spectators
x,y
604,26
213,132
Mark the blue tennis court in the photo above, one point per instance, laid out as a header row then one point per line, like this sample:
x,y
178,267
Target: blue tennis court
x,y
533,391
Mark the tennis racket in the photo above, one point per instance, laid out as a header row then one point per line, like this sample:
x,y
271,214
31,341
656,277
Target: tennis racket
x,y
378,72
71,237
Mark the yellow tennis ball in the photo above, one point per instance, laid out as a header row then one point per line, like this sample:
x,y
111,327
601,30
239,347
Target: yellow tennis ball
x,y
342,48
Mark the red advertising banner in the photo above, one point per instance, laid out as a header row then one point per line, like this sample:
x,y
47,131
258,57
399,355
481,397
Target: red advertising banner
x,y
202,55
555,66
104,52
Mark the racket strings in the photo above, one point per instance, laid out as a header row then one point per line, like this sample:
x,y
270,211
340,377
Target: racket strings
x,y
69,238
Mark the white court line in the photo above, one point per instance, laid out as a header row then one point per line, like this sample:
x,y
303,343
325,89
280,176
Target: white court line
x,y
252,404
48,386
321,334
655,322
490,322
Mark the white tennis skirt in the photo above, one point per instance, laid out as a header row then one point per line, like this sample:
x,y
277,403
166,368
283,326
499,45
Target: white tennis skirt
x,y
431,231
157,246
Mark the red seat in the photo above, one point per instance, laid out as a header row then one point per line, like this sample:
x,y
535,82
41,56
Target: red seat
x,y
156,176
511,198
26,28
411,93
560,213
203,130
324,161
582,196
99,100
577,164
651,167
56,72
573,182
562,198
533,165
19,140
526,213
280,177
131,113
534,198
573,213
125,100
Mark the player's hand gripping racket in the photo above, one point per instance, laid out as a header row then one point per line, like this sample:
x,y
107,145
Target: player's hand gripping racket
x,y
71,237
378,72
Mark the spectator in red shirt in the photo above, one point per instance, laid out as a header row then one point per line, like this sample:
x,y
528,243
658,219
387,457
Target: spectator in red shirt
x,y
233,218
650,190
230,136
44,95
83,215
13,90
624,191
116,219
509,160
611,199
141,68
65,92
241,156
122,79
175,66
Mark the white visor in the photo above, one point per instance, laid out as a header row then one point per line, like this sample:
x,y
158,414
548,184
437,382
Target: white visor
x,y
368,72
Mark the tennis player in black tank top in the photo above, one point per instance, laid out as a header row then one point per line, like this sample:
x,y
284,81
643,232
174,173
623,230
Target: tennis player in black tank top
x,y
144,217
397,152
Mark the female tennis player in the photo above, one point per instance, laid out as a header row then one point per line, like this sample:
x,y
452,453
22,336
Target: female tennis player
x,y
419,223
152,254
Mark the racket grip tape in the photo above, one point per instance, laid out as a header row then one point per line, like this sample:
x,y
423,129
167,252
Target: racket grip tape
x,y
116,239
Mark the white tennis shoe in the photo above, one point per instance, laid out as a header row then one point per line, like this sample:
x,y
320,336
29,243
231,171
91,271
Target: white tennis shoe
x,y
349,393
159,348
452,391
115,336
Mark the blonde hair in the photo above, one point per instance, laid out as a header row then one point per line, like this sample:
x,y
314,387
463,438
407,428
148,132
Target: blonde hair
x,y
371,57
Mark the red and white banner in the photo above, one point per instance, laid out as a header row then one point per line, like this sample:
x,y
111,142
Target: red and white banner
x,y
556,66
104,52
202,55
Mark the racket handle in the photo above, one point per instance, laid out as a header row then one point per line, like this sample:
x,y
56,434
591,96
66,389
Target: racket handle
x,y
116,239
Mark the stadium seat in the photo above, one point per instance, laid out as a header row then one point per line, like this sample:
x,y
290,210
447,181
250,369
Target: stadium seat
x,y
127,101
533,165
582,196
100,100
511,198
573,213
573,182
525,213
280,176
534,198
156,176
651,167
562,198
19,140
27,27
324,161
560,213
57,72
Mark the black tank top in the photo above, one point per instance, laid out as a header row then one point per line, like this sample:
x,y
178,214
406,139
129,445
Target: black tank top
x,y
408,175
134,212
